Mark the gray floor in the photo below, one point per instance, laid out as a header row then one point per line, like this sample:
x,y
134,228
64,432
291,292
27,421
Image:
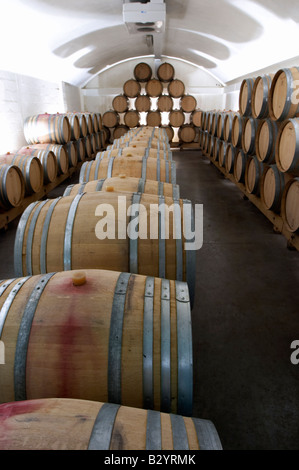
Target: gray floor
x,y
244,318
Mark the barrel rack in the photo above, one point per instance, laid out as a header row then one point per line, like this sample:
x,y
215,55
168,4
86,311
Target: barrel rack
x,y
276,219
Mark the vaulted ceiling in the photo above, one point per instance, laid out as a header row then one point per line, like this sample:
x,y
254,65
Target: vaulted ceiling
x,y
74,40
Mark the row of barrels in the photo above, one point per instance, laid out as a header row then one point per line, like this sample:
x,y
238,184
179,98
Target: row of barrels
x,y
143,72
115,318
278,190
144,103
25,171
154,88
273,95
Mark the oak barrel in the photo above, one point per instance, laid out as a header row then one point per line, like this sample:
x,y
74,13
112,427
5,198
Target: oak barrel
x,y
47,128
30,168
215,153
237,129
260,96
253,175
153,118
287,147
188,103
230,157
124,183
142,72
290,204
66,221
131,118
120,104
143,104
165,72
228,125
165,103
74,125
12,186
176,118
176,88
141,150
240,166
120,130
186,133
197,118
58,424
248,135
222,152
137,167
245,96
272,187
283,95
110,119
265,140
131,88
48,160
154,88
97,334
169,132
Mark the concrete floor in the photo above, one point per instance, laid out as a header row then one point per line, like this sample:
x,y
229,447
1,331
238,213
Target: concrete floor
x,y
245,314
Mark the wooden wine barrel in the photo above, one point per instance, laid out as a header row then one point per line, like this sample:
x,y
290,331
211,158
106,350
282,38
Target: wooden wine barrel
x,y
290,204
74,126
88,122
143,72
137,167
135,150
98,140
154,88
87,335
131,88
237,129
80,149
47,128
95,122
165,72
253,175
82,123
287,147
209,118
110,119
188,103
240,166
57,424
105,134
164,103
131,118
48,160
12,186
143,103
222,152
64,153
230,157
265,140
99,116
228,125
72,153
120,130
215,154
120,104
93,145
260,96
214,123
176,88
124,183
153,118
271,187
87,146
283,95
245,96
210,146
220,125
248,135
186,133
176,118
169,132
30,168
197,118
72,219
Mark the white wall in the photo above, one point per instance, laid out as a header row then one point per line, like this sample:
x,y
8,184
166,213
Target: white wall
x,y
22,96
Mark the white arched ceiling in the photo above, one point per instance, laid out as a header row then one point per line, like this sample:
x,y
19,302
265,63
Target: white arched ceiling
x,y
73,41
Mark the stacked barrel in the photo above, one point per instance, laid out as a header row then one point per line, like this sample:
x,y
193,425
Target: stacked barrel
x,y
56,142
100,326
159,101
259,144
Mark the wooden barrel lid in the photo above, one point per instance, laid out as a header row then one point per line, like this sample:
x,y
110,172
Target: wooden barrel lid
x,y
239,165
176,118
131,118
251,176
197,118
119,131
154,88
120,103
142,72
187,133
176,88
286,145
260,95
164,103
131,88
188,103
153,119
245,96
269,187
13,185
290,205
143,103
110,119
165,72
